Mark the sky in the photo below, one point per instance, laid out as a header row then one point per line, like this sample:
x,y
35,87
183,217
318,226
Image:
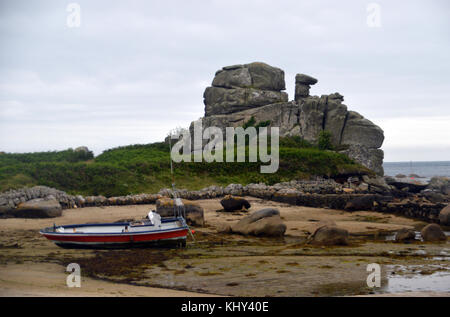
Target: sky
x,y
130,71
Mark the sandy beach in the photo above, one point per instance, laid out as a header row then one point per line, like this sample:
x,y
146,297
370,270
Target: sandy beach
x,y
222,264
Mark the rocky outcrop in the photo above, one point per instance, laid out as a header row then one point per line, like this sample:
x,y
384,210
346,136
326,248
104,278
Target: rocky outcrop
x,y
241,93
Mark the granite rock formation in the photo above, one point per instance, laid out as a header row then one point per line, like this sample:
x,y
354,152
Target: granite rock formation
x,y
254,91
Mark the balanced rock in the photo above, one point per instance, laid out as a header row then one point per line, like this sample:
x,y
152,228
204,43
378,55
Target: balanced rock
x,y
302,85
38,208
194,213
265,222
433,233
231,203
444,216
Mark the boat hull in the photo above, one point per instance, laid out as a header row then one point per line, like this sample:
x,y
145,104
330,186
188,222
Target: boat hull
x,y
171,236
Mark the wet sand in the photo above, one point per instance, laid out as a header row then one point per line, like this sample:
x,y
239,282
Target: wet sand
x,y
219,264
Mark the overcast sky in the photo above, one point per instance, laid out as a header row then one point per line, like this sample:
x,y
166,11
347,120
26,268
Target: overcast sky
x,y
133,70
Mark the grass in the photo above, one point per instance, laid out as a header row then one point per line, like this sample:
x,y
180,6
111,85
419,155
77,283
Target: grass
x,y
146,169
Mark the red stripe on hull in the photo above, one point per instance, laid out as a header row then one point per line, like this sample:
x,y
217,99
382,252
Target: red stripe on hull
x,y
119,238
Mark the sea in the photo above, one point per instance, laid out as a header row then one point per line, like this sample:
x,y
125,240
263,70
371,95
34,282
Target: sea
x,y
423,169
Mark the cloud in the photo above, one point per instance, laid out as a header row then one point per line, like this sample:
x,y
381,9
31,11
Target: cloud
x,y
136,69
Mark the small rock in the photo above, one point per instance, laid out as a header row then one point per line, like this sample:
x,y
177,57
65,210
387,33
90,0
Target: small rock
x,y
231,203
405,234
433,233
444,216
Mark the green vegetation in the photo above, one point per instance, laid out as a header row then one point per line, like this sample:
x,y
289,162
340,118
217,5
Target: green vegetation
x,y
146,168
324,142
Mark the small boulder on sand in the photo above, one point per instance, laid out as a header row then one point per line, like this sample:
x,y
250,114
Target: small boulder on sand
x,y
444,216
38,208
433,233
265,222
232,203
329,234
404,235
194,213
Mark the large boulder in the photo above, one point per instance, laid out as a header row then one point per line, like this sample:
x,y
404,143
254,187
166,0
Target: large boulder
x,y
241,87
433,233
440,185
194,212
265,222
444,216
38,208
329,235
358,130
231,203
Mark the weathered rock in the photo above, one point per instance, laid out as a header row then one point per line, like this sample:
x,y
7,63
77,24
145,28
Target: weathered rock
x,y
234,189
440,185
335,117
233,78
219,100
305,79
433,233
364,202
434,197
230,203
265,222
194,212
302,85
329,235
266,77
444,216
360,131
38,208
404,235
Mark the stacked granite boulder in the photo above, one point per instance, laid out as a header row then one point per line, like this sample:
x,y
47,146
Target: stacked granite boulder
x,y
255,92
242,87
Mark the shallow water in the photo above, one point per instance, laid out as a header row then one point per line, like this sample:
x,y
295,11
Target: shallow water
x,y
391,237
437,282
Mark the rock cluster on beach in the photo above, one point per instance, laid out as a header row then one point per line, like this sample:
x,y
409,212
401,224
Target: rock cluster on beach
x,y
240,93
